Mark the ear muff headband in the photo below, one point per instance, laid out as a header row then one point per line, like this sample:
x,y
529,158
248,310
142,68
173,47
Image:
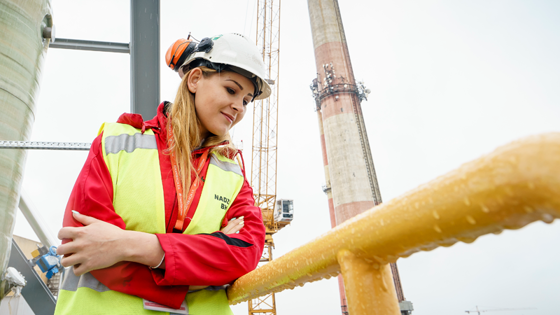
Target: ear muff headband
x,y
179,52
186,54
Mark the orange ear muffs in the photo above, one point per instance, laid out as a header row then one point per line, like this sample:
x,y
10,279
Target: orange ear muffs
x,y
178,53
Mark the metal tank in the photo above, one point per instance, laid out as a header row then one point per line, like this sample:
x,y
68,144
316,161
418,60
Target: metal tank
x,y
22,53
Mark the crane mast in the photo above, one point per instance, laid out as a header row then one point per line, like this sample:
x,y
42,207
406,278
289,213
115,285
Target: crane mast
x,y
265,112
265,138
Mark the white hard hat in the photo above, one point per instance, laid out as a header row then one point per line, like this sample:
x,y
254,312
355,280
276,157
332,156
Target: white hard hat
x,y
233,52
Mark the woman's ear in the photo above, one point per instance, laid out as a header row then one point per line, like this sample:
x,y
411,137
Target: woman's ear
x,y
193,79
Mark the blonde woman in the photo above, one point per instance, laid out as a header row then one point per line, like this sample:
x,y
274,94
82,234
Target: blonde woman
x,y
161,218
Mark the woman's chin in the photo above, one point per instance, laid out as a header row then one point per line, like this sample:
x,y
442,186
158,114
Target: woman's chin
x,y
219,133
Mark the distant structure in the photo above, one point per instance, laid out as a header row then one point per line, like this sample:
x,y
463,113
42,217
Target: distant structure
x,y
16,304
478,311
276,213
351,183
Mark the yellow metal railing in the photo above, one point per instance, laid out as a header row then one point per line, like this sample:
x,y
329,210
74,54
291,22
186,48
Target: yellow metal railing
x,y
515,185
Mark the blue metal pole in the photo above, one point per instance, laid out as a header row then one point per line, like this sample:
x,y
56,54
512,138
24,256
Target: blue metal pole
x,y
144,57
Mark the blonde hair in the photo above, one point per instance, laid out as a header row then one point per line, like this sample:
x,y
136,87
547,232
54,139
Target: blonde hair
x,y
187,129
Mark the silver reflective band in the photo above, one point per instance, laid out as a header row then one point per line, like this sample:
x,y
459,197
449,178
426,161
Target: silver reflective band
x,y
128,143
226,166
73,282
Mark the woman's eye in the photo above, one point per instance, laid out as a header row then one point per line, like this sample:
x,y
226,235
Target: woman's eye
x,y
230,90
245,102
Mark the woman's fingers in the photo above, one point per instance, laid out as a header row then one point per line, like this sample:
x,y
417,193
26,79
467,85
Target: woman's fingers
x,y
96,245
84,219
66,249
69,232
234,226
73,232
226,230
71,260
80,269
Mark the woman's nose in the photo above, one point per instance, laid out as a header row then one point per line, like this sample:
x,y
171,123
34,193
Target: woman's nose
x,y
238,106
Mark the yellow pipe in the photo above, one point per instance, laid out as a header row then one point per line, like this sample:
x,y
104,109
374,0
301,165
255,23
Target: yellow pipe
x,y
369,287
513,186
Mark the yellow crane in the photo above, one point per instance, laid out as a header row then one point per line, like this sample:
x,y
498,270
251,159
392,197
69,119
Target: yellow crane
x,y
276,213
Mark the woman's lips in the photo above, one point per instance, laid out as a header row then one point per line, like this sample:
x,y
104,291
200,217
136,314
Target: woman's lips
x,y
230,118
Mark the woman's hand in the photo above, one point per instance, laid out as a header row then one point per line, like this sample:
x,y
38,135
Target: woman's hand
x,y
234,226
96,245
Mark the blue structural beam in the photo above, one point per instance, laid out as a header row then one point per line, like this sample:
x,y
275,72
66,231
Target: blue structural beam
x,y
144,57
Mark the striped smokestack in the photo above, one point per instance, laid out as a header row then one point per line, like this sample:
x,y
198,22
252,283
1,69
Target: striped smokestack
x,y
352,177
351,183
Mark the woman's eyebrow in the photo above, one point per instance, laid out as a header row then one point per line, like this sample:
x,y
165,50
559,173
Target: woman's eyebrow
x,y
239,85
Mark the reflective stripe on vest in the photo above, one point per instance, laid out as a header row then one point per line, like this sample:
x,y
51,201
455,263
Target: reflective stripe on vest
x,y
226,165
129,143
73,282
133,162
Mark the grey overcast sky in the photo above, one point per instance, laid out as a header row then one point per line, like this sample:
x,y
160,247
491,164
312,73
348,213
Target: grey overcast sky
x,y
450,81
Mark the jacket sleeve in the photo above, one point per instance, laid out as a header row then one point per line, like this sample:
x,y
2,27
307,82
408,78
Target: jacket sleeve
x,y
92,195
215,259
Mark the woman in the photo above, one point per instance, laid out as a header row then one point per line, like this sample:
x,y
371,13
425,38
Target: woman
x,y
143,222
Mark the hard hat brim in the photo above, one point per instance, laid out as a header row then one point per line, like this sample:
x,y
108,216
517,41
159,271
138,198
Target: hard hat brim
x,y
236,51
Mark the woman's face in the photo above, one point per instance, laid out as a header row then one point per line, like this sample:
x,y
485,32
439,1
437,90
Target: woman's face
x,y
220,99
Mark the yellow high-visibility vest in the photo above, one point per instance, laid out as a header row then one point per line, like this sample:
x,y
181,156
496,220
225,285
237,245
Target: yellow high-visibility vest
x,y
133,162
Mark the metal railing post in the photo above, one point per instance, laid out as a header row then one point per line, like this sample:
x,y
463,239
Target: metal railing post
x,y
369,286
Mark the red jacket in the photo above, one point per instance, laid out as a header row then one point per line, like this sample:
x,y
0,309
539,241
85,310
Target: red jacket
x,y
203,259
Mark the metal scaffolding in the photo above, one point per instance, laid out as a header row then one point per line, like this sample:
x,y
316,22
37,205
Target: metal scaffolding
x,y
265,138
